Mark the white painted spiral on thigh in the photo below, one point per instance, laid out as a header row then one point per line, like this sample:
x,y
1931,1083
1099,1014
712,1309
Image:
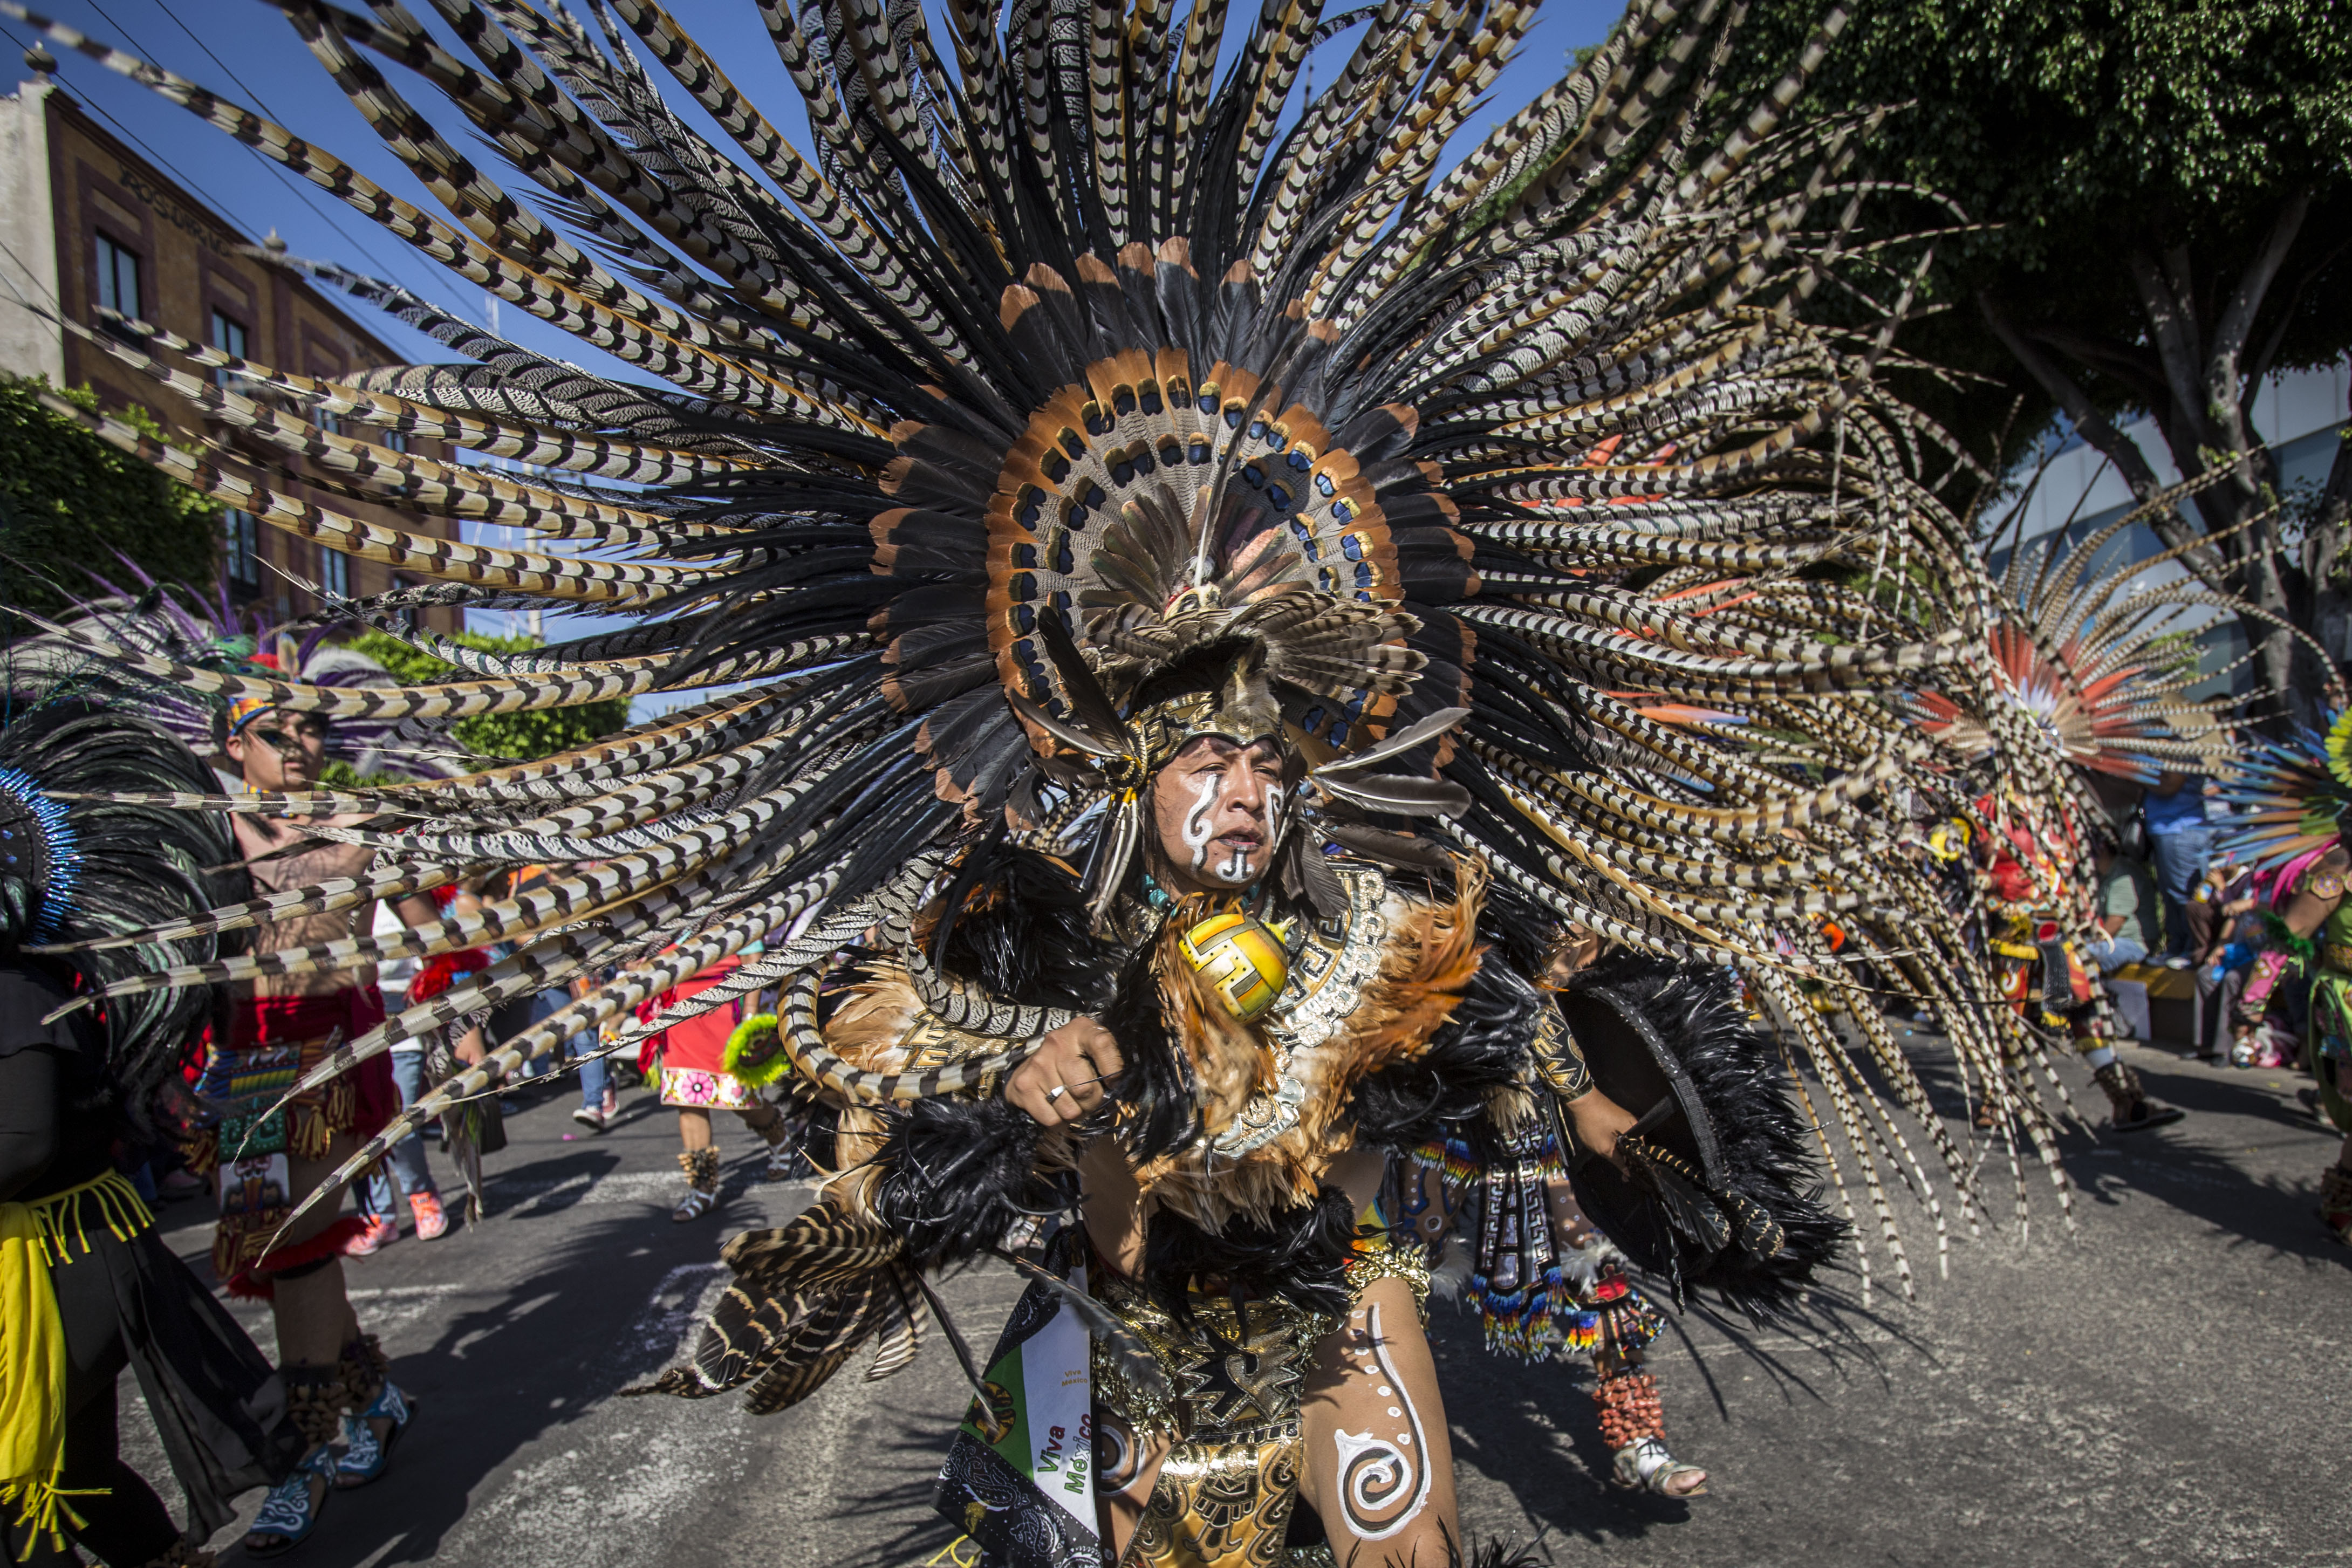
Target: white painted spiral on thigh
x,y
1383,1473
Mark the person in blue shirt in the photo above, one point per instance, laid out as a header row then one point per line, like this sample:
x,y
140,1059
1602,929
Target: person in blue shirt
x,y
2179,843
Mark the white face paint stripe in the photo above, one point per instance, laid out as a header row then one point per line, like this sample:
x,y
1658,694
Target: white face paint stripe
x,y
1206,788
1237,869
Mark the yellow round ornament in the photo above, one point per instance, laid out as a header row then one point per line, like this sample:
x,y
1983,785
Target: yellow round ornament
x,y
1240,960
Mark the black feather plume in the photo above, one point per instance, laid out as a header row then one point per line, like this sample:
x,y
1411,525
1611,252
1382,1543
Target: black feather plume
x,y
1300,1254
1442,1092
953,1176
1772,1186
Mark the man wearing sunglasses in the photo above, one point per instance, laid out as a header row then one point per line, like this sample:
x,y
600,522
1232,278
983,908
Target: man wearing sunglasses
x,y
280,1024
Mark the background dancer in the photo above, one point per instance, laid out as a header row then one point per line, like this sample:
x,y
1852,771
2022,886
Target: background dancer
x,y
2081,710
281,1023
691,1057
83,1275
2292,801
295,992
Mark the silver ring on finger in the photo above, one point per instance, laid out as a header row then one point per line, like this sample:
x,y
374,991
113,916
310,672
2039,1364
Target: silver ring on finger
x,y
1055,1092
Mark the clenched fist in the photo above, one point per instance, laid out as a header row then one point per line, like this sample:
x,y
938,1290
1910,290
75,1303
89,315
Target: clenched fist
x,y
1074,1060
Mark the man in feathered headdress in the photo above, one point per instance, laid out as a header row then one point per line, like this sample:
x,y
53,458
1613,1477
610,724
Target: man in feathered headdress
x,y
1233,1029
272,1157
1220,1194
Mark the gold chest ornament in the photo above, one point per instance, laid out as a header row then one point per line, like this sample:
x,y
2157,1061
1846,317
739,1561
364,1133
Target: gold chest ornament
x,y
1240,960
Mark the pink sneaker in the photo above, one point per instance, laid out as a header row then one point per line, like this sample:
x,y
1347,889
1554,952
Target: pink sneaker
x,y
431,1222
380,1234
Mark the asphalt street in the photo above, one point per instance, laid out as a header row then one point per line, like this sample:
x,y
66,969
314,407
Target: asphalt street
x,y
2167,1383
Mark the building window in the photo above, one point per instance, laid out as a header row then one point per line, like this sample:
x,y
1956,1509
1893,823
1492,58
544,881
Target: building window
x,y
396,439
228,336
241,545
326,421
334,574
118,277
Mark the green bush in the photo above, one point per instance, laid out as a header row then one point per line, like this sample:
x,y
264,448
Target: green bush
x,y
71,505
513,736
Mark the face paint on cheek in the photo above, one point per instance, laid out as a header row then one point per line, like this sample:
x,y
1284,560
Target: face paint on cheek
x,y
1205,790
1236,868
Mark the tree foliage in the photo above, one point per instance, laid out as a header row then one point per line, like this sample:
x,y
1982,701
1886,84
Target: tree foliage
x,y
513,737
2078,131
2160,202
71,505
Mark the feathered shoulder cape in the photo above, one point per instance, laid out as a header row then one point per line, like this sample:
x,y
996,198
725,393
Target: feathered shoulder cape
x,y
1389,1031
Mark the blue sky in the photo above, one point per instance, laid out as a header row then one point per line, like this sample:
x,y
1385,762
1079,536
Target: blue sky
x,y
245,51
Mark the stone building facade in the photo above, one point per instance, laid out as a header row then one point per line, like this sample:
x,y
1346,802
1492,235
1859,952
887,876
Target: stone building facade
x,y
86,224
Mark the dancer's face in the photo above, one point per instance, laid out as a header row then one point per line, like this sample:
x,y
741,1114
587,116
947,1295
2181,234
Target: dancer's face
x,y
280,750
1217,812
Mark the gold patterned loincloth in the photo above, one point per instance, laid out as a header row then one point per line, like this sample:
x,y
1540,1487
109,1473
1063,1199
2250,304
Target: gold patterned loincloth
x,y
1235,1372
1221,1501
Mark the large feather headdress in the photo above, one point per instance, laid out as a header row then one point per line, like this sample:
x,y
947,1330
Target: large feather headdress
x,y
2290,803
1063,363
2092,670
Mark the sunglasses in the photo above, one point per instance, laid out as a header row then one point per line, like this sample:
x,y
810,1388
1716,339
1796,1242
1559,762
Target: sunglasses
x,y
289,742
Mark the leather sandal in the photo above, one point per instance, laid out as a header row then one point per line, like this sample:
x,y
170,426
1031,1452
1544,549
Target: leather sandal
x,y
290,1513
365,1454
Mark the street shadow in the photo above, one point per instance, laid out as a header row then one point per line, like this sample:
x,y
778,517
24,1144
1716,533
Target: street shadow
x,y
1511,1420
547,1187
2167,1163
1532,1428
2241,1209
2240,1094
909,1434
500,1376
911,1450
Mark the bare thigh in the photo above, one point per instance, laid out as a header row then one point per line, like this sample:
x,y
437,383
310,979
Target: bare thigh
x,y
1379,1465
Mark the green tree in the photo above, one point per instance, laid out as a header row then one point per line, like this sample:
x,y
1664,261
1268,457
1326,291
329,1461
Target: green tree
x,y
70,504
2167,190
513,737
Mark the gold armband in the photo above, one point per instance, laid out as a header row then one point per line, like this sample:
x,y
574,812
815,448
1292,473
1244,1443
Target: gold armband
x,y
1559,1062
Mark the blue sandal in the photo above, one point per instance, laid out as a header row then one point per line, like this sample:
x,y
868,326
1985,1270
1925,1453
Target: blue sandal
x,y
290,1513
364,1454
